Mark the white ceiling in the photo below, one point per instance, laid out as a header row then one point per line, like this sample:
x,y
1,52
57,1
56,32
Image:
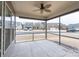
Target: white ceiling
x,y
25,8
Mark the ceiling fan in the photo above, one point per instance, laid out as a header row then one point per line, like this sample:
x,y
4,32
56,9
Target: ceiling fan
x,y
42,7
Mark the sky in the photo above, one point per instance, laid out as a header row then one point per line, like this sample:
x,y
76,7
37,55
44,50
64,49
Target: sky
x,y
67,19
26,20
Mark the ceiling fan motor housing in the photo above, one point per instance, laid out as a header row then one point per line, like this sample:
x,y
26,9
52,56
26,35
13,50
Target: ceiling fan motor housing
x,y
42,6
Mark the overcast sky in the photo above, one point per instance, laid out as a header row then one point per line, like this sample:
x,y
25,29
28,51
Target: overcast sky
x,y
67,19
26,20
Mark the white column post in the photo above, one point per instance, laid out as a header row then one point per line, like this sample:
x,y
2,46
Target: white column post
x,y
46,30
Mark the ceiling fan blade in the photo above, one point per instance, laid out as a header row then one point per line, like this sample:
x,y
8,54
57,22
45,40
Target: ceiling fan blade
x,y
48,5
47,10
37,10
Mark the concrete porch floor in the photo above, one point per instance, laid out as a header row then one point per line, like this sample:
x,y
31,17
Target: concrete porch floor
x,y
42,48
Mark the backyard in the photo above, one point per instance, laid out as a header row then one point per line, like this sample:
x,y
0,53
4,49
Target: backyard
x,y
69,39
